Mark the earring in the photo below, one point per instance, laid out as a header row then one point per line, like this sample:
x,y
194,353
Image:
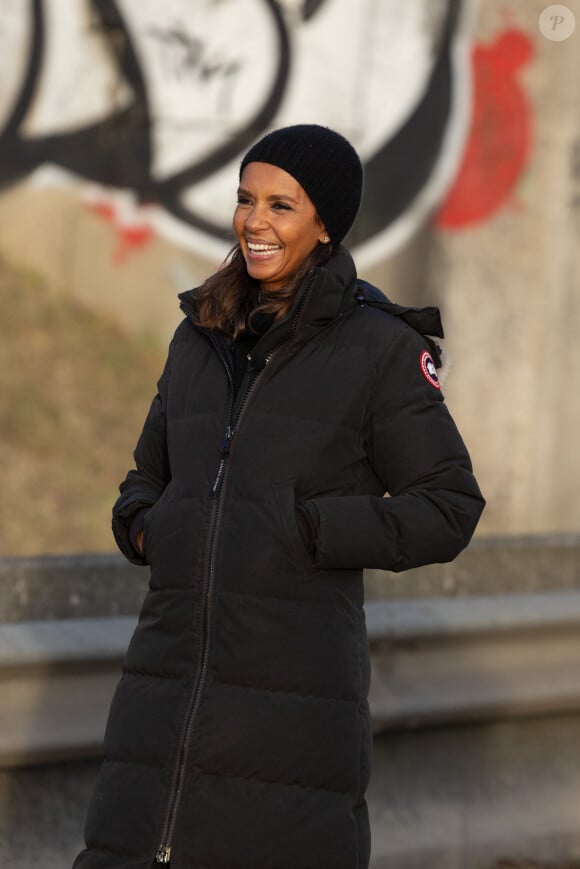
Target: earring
x,y
326,239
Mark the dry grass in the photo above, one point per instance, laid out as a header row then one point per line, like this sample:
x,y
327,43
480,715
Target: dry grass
x,y
74,391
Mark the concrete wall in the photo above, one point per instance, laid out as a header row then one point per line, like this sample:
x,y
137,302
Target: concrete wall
x,y
510,290
121,131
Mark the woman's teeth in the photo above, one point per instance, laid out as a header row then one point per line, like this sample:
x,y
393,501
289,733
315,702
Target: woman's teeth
x,y
262,248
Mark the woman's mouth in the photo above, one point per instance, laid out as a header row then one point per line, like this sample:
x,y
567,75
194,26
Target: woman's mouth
x,y
262,250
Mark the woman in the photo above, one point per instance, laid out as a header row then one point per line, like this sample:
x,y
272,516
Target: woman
x,y
294,397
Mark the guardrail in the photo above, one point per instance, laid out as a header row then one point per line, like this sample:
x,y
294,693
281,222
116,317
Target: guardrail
x,y
475,658
433,660
56,682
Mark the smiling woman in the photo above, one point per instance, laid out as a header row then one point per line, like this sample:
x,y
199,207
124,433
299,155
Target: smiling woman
x,y
276,224
294,397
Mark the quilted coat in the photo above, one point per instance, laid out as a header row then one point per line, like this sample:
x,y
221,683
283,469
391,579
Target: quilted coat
x,y
239,735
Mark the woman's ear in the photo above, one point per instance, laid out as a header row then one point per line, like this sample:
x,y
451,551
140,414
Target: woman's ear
x,y
324,237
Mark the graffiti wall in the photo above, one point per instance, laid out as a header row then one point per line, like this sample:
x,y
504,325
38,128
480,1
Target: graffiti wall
x,y
161,100
123,122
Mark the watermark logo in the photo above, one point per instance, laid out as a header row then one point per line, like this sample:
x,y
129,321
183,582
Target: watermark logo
x,y
557,22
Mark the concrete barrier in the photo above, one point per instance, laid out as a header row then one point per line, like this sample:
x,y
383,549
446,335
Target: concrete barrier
x,y
433,661
56,682
438,661
105,584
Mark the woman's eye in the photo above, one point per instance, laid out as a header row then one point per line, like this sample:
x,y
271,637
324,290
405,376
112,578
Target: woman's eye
x,y
281,206
243,200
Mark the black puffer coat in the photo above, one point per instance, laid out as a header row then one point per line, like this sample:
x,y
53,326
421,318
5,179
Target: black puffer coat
x,y
239,736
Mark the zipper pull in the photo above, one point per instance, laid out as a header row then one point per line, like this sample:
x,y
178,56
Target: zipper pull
x,y
227,441
164,854
224,453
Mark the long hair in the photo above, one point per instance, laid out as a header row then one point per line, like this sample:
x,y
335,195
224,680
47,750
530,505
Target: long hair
x,y
225,301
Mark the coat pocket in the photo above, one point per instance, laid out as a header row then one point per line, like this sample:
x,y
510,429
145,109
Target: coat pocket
x,y
149,525
147,533
286,501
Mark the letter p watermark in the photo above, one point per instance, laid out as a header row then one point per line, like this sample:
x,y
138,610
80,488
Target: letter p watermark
x,y
557,22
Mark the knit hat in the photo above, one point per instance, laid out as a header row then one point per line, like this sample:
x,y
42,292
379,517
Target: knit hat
x,y
325,165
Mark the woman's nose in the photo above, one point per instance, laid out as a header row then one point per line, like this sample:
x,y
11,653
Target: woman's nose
x,y
256,217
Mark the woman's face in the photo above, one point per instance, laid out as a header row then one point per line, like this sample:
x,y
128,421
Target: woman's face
x,y
276,224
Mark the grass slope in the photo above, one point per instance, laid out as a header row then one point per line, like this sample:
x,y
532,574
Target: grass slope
x,y
74,392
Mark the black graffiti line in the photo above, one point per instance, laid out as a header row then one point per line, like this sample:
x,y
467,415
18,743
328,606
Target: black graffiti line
x,y
401,168
34,64
187,52
310,8
139,113
172,38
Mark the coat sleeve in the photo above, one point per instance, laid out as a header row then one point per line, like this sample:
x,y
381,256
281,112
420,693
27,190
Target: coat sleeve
x,y
145,483
421,461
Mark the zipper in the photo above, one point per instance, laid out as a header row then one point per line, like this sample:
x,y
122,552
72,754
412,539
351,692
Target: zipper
x,y
234,415
163,855
164,852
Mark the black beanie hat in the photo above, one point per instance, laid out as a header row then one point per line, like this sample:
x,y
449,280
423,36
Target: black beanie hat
x,y
325,165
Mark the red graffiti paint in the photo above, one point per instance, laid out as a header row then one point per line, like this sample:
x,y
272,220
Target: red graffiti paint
x,y
499,141
103,209
130,236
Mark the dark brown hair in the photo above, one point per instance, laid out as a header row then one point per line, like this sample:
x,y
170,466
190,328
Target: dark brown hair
x,y
225,300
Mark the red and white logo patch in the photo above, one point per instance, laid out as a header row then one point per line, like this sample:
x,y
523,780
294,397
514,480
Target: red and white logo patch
x,y
429,370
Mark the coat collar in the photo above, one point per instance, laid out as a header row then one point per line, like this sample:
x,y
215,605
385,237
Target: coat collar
x,y
329,289
326,294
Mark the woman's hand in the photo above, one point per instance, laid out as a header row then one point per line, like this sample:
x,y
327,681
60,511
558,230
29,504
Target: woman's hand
x,y
136,530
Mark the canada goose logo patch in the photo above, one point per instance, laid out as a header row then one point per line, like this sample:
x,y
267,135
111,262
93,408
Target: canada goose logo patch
x,y
429,370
